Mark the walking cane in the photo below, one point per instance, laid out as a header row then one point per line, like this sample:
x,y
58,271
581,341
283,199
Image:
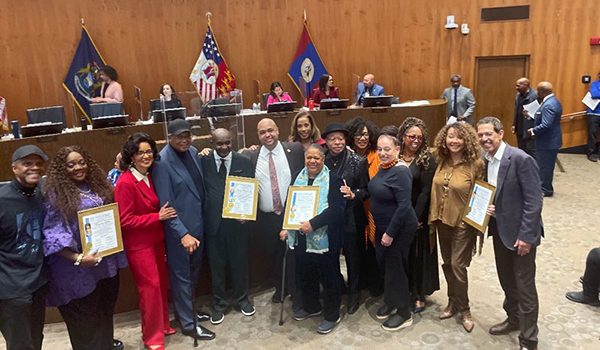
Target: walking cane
x,y
283,293
194,316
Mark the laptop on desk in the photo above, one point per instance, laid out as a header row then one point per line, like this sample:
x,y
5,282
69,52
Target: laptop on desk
x,y
333,103
378,101
281,107
110,121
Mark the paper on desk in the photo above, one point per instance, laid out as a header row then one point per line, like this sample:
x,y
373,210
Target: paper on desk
x,y
589,101
531,109
451,120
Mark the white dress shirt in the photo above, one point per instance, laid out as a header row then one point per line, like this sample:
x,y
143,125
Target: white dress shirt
x,y
139,176
284,177
494,164
227,161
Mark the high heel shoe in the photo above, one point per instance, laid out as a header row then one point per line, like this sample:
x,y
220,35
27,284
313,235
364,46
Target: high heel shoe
x,y
170,331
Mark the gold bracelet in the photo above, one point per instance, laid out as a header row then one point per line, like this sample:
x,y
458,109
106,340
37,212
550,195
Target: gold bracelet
x,y
79,259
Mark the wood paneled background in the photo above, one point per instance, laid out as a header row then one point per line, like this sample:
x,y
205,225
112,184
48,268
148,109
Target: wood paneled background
x,y
402,42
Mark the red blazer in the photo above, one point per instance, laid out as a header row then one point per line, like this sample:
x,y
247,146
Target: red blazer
x,y
138,208
319,95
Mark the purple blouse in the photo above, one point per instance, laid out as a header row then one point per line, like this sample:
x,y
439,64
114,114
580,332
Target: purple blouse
x,y
67,281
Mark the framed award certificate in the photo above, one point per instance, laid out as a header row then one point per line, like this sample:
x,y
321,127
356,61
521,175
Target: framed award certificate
x,y
100,230
481,197
301,205
240,198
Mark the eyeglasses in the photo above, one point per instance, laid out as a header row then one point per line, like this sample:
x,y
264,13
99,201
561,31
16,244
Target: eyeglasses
x,y
364,135
183,136
147,152
415,137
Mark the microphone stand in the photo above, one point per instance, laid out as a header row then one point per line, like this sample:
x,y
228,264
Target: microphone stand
x,y
164,115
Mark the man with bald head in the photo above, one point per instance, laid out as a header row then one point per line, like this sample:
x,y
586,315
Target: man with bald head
x,y
368,88
547,134
226,239
274,164
522,122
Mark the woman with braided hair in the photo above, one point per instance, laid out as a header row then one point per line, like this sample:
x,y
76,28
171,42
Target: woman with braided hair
x,y
422,259
83,287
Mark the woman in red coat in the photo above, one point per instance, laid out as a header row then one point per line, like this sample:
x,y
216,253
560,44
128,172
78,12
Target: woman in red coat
x,y
143,236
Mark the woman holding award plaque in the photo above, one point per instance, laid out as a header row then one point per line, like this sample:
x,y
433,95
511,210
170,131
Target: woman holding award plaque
x,y
143,236
318,241
459,165
396,224
83,287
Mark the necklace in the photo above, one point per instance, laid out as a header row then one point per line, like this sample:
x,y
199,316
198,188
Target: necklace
x,y
93,198
387,166
407,158
27,194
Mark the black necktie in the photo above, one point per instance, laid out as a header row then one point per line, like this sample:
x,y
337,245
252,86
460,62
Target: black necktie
x,y
455,106
222,170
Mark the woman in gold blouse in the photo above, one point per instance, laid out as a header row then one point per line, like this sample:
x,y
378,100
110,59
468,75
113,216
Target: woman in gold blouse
x,y
459,165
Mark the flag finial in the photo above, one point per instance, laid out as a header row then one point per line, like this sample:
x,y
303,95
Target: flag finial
x,y
82,21
208,16
304,15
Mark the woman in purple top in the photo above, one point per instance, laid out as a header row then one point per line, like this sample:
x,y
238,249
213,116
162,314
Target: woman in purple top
x,y
83,287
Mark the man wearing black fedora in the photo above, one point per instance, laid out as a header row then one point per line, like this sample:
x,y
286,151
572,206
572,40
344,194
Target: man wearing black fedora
x,y
353,169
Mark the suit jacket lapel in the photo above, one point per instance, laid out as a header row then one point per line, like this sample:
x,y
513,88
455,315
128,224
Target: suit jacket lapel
x,y
180,169
504,165
146,191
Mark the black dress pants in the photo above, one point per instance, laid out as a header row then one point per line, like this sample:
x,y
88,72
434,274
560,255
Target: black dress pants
x,y
269,226
22,321
90,319
527,145
353,252
394,262
593,122
312,270
591,278
517,278
229,246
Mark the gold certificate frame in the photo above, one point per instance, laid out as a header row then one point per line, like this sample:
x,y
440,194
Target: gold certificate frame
x,y
100,229
302,202
475,212
240,202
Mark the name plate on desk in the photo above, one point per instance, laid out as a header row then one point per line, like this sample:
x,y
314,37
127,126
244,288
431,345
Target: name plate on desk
x,y
379,109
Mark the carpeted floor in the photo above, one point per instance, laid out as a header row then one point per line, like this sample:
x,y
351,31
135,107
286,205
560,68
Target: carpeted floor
x,y
571,227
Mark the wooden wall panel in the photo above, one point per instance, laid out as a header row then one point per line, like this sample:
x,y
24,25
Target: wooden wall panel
x,y
402,42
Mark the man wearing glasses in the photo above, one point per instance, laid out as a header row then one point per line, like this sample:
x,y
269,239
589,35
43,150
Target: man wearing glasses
x,y
178,180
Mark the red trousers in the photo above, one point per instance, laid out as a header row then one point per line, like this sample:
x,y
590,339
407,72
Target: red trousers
x,y
149,271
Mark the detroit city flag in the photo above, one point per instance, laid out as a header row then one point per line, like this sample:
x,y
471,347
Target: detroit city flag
x,y
211,76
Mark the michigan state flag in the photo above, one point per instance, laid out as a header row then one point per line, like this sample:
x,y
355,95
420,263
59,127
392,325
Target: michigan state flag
x,y
307,67
82,80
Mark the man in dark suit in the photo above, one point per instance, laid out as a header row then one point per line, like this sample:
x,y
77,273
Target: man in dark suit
x,y
516,227
523,122
368,88
226,239
548,135
274,165
460,101
178,179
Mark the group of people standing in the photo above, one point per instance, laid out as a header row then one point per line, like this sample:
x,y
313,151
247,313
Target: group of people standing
x,y
384,198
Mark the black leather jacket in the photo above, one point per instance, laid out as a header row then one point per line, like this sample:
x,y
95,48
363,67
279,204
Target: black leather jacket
x,y
355,170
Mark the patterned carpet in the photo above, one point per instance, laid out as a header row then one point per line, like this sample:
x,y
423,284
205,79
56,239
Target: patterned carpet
x,y
570,219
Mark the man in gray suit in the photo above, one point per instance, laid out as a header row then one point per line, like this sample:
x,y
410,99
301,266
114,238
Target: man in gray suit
x,y
460,101
516,227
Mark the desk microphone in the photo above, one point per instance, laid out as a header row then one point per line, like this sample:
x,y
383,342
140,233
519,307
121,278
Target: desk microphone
x,y
164,115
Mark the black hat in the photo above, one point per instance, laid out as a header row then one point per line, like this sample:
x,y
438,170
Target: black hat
x,y
334,127
178,126
28,150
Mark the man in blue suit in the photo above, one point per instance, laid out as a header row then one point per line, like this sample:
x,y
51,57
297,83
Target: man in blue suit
x,y
178,179
548,135
367,88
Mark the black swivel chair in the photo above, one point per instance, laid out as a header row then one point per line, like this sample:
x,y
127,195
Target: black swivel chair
x,y
54,114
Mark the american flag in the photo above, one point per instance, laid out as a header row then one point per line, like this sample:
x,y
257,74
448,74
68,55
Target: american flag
x,y
211,75
3,115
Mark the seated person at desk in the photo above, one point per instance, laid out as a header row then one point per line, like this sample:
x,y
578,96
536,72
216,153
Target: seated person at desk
x,y
368,88
277,94
171,100
325,90
111,90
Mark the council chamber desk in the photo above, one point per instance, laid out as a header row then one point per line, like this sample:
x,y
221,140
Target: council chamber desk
x,y
104,144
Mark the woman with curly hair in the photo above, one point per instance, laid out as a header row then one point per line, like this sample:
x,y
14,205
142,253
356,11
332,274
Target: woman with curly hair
x,y
143,236
459,165
83,287
362,139
422,260
305,130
